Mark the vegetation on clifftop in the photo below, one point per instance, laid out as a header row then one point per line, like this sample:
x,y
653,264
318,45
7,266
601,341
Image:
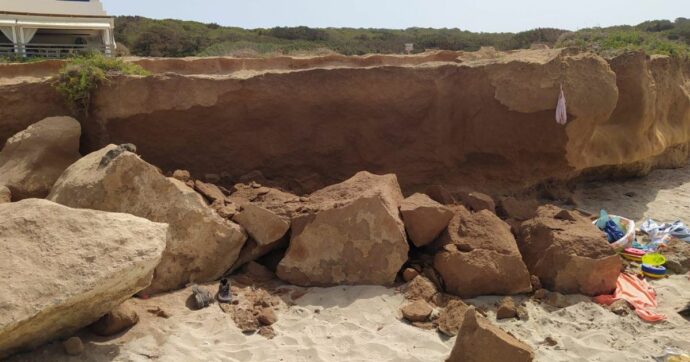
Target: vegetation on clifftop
x,y
177,38
81,75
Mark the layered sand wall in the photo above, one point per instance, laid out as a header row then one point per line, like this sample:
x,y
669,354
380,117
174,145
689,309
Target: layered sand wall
x,y
483,120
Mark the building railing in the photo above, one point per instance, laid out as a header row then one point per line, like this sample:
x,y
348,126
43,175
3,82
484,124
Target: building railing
x,y
32,50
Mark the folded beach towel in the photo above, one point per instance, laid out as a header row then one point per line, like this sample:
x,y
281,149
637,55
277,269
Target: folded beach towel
x,y
638,293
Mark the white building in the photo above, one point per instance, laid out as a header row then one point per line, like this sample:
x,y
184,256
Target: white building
x,y
54,28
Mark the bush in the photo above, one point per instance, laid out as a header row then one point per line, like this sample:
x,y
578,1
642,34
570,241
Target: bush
x,y
83,74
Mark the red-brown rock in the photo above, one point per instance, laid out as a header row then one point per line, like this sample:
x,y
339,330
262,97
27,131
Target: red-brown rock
x,y
355,235
477,201
424,218
417,311
479,256
568,256
480,341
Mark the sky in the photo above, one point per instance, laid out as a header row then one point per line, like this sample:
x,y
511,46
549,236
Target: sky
x,y
473,15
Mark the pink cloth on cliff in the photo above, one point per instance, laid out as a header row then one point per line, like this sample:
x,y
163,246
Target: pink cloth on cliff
x,y
638,293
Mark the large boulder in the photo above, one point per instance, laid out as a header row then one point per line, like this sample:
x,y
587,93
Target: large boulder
x,y
201,246
568,254
481,341
64,268
34,158
424,218
354,235
479,256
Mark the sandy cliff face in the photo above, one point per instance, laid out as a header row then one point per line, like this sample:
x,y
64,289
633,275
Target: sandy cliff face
x,y
481,119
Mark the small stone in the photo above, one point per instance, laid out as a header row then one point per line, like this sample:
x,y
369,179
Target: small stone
x,y
549,341
267,332
506,309
536,283
420,288
245,320
477,201
119,319
73,346
540,294
210,191
556,299
182,175
409,274
159,312
417,311
267,317
522,314
619,307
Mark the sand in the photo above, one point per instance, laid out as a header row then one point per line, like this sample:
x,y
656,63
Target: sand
x,y
362,323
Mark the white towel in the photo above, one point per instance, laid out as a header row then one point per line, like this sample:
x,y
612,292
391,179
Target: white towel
x,y
561,110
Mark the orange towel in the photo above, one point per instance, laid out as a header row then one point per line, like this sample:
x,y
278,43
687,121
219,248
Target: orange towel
x,y
638,293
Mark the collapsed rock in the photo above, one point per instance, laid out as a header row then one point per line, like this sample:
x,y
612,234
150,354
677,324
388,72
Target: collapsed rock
x,y
451,317
417,311
201,245
480,341
479,256
355,237
424,218
102,259
409,274
568,256
34,158
117,320
263,226
266,214
420,288
210,191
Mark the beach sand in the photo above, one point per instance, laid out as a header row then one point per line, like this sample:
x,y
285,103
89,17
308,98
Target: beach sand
x,y
363,323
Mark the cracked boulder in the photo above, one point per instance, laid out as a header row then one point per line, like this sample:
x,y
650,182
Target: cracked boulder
x,y
479,256
354,235
568,255
201,245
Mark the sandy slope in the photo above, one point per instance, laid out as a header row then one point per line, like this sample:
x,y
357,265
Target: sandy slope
x,y
361,323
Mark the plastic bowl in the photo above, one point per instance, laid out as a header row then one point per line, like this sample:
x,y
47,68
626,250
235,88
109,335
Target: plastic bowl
x,y
653,259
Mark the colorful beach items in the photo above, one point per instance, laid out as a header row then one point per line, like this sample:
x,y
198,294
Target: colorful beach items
x,y
633,254
638,293
654,272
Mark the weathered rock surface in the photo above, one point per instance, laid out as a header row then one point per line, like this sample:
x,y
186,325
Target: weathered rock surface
x,y
101,259
568,256
477,201
479,256
34,158
506,309
405,115
480,341
424,218
116,321
355,237
201,245
5,194
520,210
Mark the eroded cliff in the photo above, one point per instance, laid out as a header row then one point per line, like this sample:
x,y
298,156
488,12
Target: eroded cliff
x,y
483,120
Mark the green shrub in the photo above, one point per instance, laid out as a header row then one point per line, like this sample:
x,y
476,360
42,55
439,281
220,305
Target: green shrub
x,y
83,74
